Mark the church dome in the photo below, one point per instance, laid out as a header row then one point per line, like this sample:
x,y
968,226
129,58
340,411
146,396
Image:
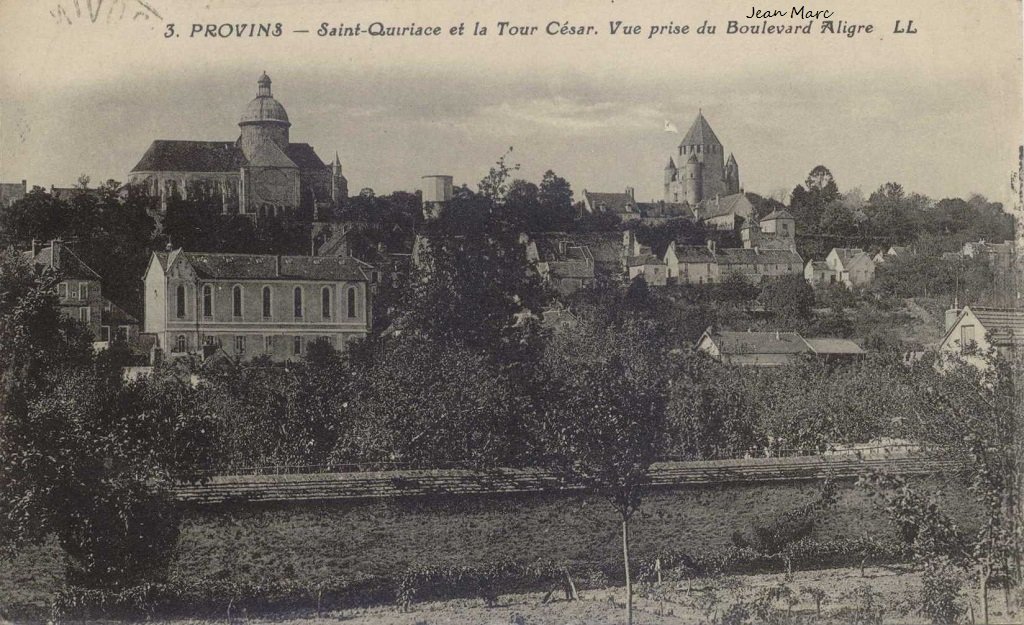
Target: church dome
x,y
264,108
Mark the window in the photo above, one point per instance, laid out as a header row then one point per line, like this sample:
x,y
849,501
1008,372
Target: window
x,y
104,333
83,290
266,302
180,344
83,314
352,301
122,334
966,337
297,345
298,302
239,344
236,301
268,345
209,340
180,300
62,289
325,302
207,300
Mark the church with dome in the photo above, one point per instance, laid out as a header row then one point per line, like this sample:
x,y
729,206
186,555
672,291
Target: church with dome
x,y
258,174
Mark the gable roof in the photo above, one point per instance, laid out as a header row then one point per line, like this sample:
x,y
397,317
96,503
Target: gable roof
x,y
732,343
722,205
172,155
66,261
614,202
267,154
1004,324
846,254
692,253
834,346
214,156
218,266
604,247
700,133
778,214
665,209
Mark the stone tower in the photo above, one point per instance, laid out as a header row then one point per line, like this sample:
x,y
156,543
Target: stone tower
x,y
264,120
702,155
339,184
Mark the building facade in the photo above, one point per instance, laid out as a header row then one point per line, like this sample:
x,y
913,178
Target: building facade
x,y
249,305
972,332
260,173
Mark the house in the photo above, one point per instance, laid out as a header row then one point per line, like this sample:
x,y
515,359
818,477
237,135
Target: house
x,y
248,305
622,204
999,256
11,192
974,330
769,349
849,266
641,261
725,212
756,264
776,230
79,291
560,261
895,251
691,264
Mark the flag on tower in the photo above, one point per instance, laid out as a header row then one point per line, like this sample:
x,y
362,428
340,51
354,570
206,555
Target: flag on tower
x,y
670,127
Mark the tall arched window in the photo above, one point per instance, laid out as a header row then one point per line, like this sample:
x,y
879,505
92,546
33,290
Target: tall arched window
x,y
266,302
352,301
236,300
325,302
207,300
298,302
179,297
180,344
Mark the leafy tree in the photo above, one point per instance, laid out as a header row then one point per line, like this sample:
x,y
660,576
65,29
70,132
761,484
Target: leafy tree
x,y
789,297
428,402
605,418
38,215
555,196
708,417
808,202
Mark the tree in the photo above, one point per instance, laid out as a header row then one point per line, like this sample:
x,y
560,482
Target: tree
x,y
555,195
789,297
38,215
605,418
808,202
82,454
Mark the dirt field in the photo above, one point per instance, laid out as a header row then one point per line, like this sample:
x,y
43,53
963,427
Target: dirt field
x,y
845,591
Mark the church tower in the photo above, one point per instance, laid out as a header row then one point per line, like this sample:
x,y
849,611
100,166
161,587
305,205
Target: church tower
x,y
339,184
264,120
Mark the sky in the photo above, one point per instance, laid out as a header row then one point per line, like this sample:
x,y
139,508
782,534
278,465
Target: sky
x,y
939,111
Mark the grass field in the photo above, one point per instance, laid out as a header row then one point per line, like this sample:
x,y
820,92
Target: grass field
x,y
845,591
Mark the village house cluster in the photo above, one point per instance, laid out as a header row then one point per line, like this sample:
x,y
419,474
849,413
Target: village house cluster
x,y
247,305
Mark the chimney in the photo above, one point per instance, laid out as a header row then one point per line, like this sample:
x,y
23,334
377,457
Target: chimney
x,y
277,265
35,247
55,253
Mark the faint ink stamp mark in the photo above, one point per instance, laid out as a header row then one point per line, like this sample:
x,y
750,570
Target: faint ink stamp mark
x,y
109,11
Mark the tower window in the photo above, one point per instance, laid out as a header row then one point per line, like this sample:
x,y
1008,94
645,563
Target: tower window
x,y
325,302
236,300
297,346
180,344
298,302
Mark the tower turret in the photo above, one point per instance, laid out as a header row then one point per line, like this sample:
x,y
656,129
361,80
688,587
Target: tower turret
x,y
693,180
339,185
732,175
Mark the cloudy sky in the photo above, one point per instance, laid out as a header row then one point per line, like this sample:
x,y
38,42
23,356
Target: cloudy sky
x,y
939,111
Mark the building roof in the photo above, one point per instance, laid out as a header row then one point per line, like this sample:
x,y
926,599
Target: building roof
x,y
614,202
1003,324
721,205
778,214
208,156
65,261
834,346
214,156
217,266
819,265
665,209
744,256
732,343
700,133
264,108
267,154
643,259
604,247
694,254
847,254
571,269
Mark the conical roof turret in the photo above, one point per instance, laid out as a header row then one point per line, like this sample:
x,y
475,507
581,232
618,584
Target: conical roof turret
x,y
700,133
